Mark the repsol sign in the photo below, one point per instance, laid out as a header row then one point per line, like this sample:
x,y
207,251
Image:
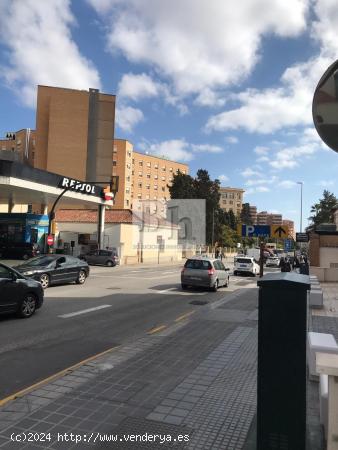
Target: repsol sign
x,y
78,186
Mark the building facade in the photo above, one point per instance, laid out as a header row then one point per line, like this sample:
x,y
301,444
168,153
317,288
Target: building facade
x,y
142,176
291,225
74,133
231,199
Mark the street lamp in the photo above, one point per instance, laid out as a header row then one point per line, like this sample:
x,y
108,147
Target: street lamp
x,y
301,204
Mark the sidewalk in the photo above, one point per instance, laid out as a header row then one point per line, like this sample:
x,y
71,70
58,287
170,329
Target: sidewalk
x,y
194,382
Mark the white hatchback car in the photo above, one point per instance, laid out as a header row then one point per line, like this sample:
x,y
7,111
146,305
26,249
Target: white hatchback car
x,y
272,261
246,265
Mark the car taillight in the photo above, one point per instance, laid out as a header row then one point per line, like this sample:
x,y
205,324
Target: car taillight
x,y
211,272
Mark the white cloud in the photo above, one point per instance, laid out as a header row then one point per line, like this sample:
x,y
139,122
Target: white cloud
x,y
249,172
191,42
207,148
258,189
128,117
209,98
287,184
232,139
135,87
268,110
178,149
290,157
223,178
261,150
326,183
36,35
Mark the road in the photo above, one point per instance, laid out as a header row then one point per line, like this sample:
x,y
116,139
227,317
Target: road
x,y
114,306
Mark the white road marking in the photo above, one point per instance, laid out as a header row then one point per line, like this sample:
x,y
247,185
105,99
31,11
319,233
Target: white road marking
x,y
84,311
174,290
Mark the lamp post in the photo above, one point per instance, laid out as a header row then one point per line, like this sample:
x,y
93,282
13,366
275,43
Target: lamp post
x,y
301,205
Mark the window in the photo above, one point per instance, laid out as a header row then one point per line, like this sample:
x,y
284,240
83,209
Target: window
x,y
148,186
129,154
170,169
148,175
147,196
140,174
140,185
163,188
5,273
163,178
114,163
127,202
127,190
156,177
198,264
231,202
133,161
163,168
115,149
155,188
148,164
128,178
139,195
140,163
156,166
128,166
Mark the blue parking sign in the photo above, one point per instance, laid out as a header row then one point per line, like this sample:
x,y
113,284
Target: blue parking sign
x,y
287,245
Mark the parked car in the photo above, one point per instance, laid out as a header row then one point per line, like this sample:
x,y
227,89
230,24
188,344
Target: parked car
x,y
19,294
272,261
105,257
55,269
246,265
22,250
204,272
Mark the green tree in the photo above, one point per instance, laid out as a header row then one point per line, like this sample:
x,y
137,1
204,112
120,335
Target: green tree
x,y
182,186
202,186
322,211
245,214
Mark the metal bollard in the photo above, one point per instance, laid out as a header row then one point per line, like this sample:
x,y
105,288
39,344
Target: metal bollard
x,y
281,384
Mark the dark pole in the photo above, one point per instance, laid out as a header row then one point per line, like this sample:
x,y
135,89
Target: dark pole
x,y
261,259
52,215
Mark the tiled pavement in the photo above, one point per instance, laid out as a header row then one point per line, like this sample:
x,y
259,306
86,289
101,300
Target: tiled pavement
x,y
196,380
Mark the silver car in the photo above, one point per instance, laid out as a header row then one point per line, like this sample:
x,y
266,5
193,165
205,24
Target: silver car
x,y
105,257
204,272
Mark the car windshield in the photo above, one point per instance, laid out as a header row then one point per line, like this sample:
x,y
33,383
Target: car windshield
x,y
198,264
243,260
40,261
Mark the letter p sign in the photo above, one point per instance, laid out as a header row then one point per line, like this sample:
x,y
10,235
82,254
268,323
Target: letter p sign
x,y
250,229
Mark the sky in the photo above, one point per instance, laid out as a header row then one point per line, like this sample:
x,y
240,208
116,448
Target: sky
x,y
223,87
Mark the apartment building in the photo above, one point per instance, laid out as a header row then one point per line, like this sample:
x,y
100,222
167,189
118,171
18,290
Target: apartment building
x,y
291,225
19,146
142,176
253,214
231,199
74,133
274,219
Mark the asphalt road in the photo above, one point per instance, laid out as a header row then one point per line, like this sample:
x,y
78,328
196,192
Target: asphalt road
x,y
114,306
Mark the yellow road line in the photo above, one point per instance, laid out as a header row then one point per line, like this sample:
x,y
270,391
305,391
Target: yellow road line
x,y
157,329
184,316
53,377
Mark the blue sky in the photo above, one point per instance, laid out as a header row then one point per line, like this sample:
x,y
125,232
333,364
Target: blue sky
x,y
228,89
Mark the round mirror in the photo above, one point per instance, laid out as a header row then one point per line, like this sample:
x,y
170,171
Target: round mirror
x,y
325,107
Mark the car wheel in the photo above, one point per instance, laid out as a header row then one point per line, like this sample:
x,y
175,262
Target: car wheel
x,y
183,286
44,280
27,306
227,283
109,263
215,286
81,277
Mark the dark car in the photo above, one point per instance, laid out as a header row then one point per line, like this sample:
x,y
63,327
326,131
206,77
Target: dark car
x,y
105,257
16,250
55,269
18,294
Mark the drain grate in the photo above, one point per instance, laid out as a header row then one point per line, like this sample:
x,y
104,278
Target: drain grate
x,y
199,302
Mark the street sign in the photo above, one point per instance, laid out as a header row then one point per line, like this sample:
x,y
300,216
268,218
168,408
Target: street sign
x,y
279,231
50,239
256,230
287,245
302,237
